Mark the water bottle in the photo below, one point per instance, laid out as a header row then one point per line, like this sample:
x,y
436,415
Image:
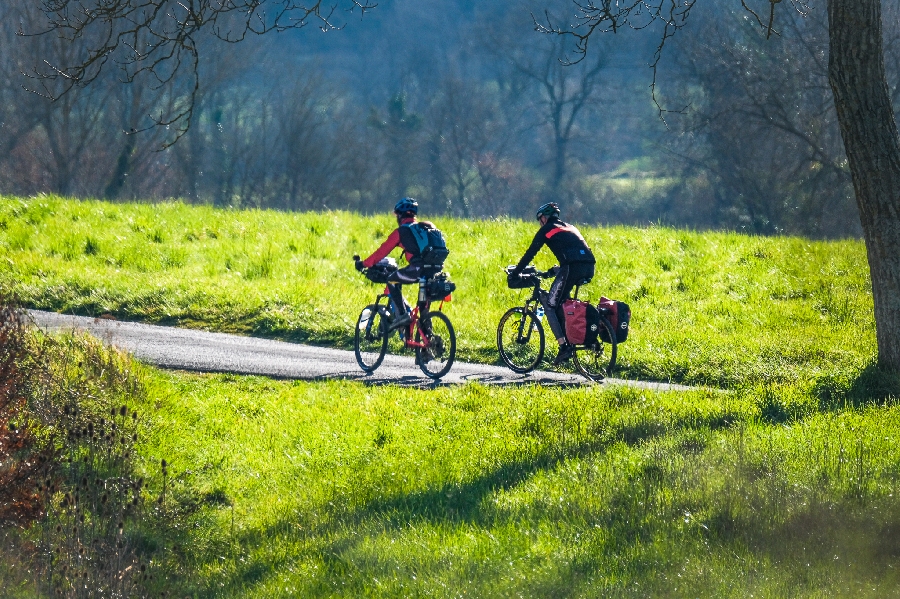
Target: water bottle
x,y
364,319
540,312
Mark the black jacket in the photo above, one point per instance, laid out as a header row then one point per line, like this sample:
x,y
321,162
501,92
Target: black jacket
x,y
563,239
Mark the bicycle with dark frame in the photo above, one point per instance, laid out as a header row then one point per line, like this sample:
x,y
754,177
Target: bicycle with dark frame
x,y
520,334
429,332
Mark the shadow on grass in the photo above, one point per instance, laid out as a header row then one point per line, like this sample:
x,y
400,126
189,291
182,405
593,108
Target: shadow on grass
x,y
872,386
331,537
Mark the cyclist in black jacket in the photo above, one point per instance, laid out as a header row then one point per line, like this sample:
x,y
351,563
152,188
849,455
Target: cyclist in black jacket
x,y
576,265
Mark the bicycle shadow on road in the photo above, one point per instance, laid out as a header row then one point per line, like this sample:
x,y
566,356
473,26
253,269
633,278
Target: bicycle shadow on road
x,y
421,382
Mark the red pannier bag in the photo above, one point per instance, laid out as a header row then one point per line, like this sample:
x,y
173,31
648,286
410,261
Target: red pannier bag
x,y
581,322
619,317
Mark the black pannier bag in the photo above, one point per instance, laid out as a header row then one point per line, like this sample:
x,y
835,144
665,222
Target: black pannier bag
x,y
382,270
619,317
439,287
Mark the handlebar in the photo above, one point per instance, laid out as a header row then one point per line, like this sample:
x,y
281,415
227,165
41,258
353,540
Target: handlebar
x,y
530,271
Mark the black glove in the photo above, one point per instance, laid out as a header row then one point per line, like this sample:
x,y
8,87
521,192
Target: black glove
x,y
553,271
360,265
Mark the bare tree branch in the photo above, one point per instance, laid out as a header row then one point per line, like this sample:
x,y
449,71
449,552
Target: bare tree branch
x,y
160,39
603,16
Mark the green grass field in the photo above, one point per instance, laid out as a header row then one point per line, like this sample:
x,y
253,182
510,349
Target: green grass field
x,y
778,480
717,309
335,489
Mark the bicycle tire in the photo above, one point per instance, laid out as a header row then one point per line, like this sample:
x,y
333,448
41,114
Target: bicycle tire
x,y
436,359
597,361
520,355
370,342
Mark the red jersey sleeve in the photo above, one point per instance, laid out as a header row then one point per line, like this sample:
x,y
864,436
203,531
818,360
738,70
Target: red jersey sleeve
x,y
389,244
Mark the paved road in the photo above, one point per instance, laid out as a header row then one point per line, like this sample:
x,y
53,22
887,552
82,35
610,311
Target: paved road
x,y
186,349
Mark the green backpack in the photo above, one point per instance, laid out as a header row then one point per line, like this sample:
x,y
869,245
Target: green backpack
x,y
431,243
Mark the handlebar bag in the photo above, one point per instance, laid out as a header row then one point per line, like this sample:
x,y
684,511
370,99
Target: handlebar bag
x,y
521,281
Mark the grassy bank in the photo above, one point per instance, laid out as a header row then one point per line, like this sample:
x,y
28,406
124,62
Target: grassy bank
x,y
785,485
335,489
722,309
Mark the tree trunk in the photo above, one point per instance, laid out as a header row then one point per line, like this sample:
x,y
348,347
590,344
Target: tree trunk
x,y
869,130
122,168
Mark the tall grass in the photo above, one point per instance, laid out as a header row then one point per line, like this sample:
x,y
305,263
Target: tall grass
x,y
783,485
720,309
335,489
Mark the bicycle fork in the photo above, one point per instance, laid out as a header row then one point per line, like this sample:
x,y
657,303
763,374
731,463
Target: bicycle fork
x,y
533,307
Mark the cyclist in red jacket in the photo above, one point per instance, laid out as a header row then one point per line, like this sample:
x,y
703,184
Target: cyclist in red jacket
x,y
576,265
405,210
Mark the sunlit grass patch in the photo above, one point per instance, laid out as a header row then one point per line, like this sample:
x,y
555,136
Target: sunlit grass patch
x,y
336,488
710,308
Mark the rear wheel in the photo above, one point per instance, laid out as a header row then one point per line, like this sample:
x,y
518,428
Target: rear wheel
x,y
371,337
520,339
597,361
434,329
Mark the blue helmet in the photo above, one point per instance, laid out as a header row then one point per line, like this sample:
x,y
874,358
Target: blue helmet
x,y
406,205
549,210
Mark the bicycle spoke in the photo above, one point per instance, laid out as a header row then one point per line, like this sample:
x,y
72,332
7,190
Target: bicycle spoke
x,y
436,333
520,340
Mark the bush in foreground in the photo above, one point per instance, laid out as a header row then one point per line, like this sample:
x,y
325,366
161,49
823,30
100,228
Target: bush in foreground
x,y
73,519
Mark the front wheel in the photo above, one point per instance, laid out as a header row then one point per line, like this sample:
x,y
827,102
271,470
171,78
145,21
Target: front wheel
x,y
371,337
436,332
520,340
597,361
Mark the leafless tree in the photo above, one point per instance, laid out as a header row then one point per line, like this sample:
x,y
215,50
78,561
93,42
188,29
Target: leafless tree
x,y
467,134
566,88
865,113
764,124
322,155
161,40
79,144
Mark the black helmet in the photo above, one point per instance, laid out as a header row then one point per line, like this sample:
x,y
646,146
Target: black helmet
x,y
406,205
549,210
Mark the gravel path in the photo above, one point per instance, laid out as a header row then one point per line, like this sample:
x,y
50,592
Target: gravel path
x,y
187,349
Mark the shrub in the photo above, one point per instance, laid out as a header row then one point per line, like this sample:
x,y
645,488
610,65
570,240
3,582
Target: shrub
x,y
72,511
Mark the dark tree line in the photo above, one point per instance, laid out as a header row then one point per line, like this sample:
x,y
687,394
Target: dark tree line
x,y
762,123
471,111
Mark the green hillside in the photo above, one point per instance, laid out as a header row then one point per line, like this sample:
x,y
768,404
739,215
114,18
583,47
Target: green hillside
x,y
779,479
720,309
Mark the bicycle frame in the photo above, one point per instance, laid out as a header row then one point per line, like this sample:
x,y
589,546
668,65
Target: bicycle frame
x,y
423,305
541,297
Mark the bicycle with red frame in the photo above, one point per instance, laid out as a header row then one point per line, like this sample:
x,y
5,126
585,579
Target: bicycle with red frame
x,y
429,331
